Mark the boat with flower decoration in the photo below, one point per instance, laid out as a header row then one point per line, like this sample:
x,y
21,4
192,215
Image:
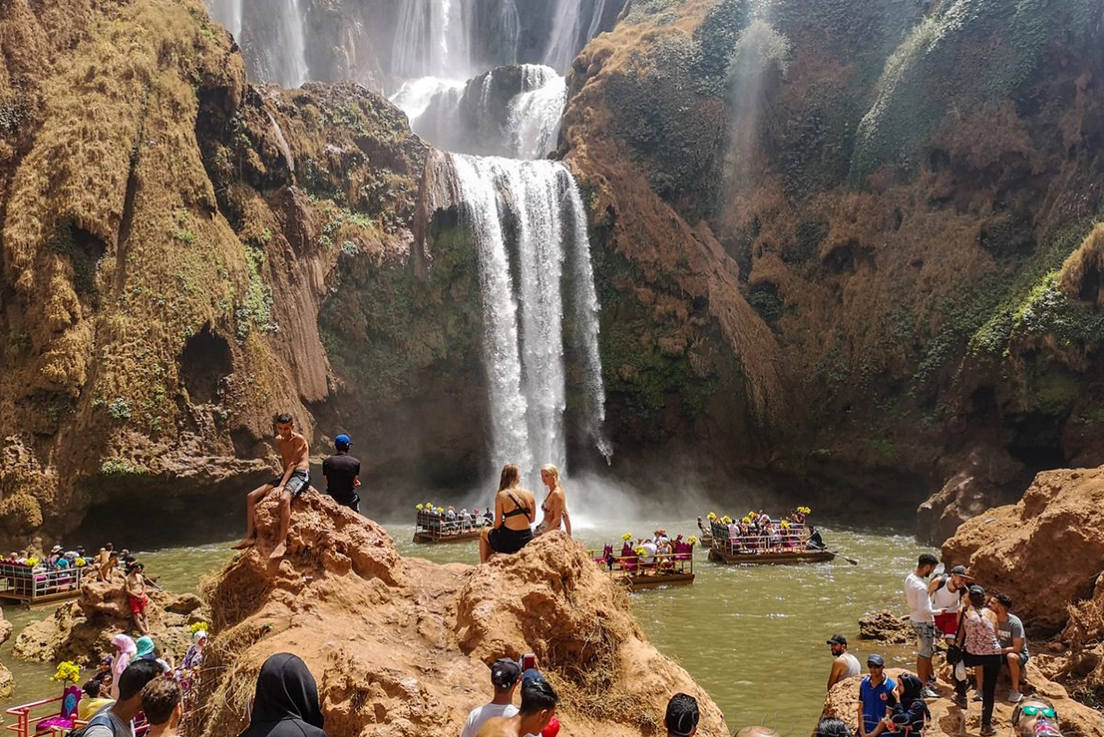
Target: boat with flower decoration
x,y
34,582
435,524
647,564
756,540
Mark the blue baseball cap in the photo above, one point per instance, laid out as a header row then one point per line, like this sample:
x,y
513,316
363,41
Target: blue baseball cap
x,y
342,441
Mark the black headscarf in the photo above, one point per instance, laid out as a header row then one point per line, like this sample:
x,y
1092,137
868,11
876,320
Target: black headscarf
x,y
286,703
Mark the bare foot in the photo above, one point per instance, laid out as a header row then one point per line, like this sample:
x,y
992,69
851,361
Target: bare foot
x,y
278,552
246,543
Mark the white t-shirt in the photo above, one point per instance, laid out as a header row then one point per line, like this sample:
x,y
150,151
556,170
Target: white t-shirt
x,y
481,714
919,604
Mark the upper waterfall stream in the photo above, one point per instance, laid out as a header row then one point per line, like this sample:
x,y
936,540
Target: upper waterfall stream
x,y
466,74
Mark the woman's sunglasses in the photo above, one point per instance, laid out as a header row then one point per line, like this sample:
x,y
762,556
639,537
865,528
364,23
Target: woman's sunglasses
x,y
1033,710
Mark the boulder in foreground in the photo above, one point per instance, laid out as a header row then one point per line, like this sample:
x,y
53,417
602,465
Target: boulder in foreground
x,y
401,647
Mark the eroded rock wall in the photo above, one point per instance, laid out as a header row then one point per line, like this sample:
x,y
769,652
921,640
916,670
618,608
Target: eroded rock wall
x,y
892,209
170,237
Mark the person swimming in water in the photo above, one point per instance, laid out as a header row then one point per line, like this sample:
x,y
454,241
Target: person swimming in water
x,y
555,504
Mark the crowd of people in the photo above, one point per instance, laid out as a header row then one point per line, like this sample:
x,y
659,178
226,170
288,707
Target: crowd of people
x,y
648,555
757,532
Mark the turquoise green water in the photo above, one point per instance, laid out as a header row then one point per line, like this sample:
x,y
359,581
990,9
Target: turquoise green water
x,y
752,636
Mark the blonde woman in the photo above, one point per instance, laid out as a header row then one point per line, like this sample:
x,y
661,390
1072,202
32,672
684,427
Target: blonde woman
x,y
555,504
515,511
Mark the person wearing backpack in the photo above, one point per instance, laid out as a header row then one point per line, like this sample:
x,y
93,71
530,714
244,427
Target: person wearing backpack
x,y
117,720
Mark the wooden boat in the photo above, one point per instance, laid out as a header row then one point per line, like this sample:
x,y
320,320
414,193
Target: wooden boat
x,y
759,549
434,528
631,571
798,556
28,586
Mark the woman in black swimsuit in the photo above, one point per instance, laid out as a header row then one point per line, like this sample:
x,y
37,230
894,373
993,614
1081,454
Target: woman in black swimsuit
x,y
515,511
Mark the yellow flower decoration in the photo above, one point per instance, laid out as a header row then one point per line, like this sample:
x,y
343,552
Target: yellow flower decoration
x,y
67,672
641,551
746,520
692,540
627,536
726,519
199,626
80,562
32,562
785,525
440,510
712,517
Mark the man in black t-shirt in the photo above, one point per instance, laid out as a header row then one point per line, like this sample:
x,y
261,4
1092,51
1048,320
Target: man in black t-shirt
x,y
342,473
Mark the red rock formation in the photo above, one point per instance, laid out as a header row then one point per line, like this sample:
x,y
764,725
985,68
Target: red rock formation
x,y
401,646
1044,551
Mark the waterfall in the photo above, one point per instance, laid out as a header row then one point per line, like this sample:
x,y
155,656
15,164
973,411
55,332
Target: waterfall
x,y
293,71
509,111
433,39
596,19
523,323
586,327
229,14
534,120
565,35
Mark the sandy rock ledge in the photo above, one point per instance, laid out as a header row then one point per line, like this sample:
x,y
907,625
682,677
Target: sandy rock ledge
x,y
401,647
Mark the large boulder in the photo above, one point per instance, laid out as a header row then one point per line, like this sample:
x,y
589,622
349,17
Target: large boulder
x,y
402,646
81,630
1044,551
978,483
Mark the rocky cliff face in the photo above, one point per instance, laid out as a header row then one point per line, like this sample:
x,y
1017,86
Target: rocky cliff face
x,y
172,238
828,255
1045,552
401,646
842,244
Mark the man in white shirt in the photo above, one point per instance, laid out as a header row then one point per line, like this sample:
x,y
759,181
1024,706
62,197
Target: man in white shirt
x,y
922,618
505,674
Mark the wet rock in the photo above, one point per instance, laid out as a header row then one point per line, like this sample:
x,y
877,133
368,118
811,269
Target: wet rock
x,y
401,646
978,484
887,627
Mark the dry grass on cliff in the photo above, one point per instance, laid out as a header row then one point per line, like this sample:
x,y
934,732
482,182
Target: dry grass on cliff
x,y
1082,271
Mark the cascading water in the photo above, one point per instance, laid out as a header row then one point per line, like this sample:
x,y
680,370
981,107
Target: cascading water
x,y
523,324
510,111
229,14
534,120
565,34
433,39
278,55
526,215
293,72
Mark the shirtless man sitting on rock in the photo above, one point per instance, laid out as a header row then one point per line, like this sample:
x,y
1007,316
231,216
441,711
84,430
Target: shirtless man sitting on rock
x,y
294,453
